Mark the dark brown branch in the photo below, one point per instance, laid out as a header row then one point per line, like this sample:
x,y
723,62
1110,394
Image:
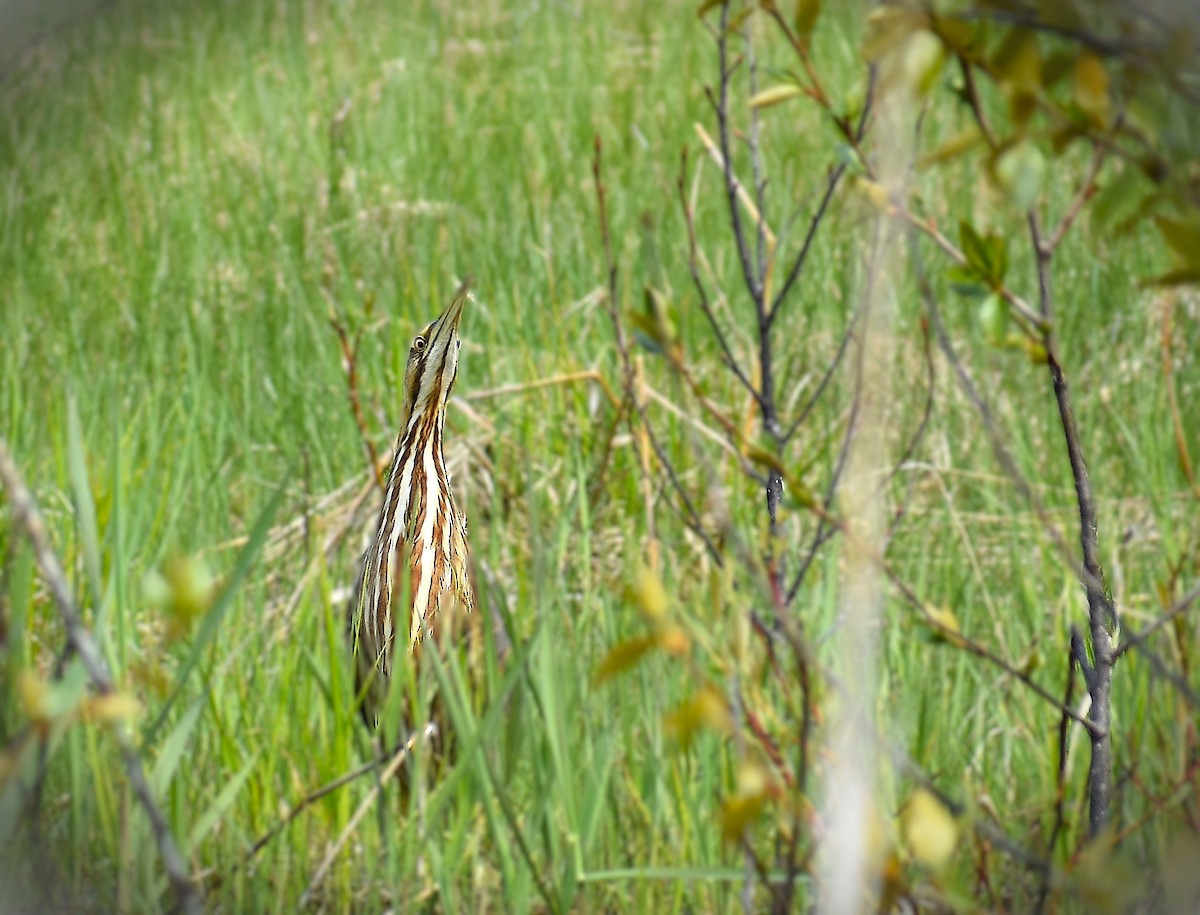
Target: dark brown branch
x,y
814,223
706,303
973,100
1086,189
1102,614
622,341
27,516
753,284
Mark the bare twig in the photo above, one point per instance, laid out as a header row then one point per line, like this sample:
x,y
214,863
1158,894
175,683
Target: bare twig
x,y
350,366
401,754
1086,189
1177,609
835,176
753,282
25,512
705,303
1102,612
629,373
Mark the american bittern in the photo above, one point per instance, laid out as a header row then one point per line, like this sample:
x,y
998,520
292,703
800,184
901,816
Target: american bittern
x,y
414,581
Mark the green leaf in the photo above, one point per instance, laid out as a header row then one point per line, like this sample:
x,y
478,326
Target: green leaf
x,y
987,257
1020,171
966,281
993,315
212,620
173,748
1119,199
775,95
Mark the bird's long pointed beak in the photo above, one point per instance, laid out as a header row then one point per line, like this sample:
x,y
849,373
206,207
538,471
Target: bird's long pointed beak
x,y
448,322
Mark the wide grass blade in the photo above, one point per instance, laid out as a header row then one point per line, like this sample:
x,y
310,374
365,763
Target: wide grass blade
x,y
212,619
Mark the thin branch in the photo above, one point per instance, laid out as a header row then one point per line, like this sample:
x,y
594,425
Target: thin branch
x,y
1023,309
731,183
1102,613
705,303
350,366
26,514
1086,189
1178,609
922,425
802,255
401,754
627,362
843,346
763,261
818,216
976,105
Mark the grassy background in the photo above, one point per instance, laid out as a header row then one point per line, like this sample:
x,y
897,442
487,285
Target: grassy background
x,y
187,192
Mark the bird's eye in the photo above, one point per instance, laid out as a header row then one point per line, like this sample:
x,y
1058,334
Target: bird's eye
x,y
419,344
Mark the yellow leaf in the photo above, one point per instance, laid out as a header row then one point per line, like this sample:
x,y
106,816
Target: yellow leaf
x,y
930,830
775,95
888,27
873,192
705,710
648,595
1182,237
1091,89
32,691
1019,60
753,788
115,706
805,19
1019,65
945,625
674,641
623,656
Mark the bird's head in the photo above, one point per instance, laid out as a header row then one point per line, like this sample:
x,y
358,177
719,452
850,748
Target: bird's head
x,y
433,362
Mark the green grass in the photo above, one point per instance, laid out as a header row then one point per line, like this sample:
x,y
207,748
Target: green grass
x,y
183,206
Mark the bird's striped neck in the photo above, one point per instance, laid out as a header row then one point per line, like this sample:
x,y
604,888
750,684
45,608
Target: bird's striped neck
x,y
418,513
